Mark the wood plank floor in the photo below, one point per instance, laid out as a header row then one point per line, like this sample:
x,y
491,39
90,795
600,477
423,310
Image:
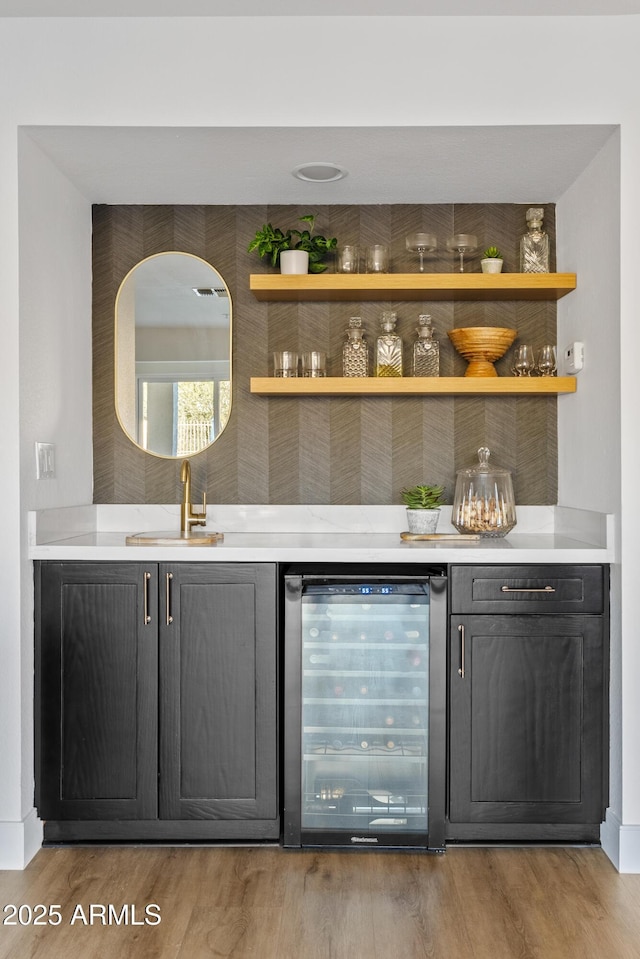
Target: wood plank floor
x,y
471,903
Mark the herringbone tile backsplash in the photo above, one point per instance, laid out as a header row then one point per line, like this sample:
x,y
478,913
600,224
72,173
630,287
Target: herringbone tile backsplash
x,y
325,450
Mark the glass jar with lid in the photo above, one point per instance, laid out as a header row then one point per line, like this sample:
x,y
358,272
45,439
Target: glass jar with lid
x,y
483,502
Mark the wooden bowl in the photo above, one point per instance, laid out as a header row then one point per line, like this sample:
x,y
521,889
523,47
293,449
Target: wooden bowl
x,y
481,346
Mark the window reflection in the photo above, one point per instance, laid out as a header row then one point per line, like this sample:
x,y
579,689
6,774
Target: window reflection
x,y
180,418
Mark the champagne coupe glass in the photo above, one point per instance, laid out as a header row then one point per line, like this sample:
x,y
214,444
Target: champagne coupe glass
x,y
547,361
421,243
462,243
524,362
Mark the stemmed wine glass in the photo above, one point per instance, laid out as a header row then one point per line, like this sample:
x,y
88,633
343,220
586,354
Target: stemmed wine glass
x,y
462,243
524,363
421,243
547,361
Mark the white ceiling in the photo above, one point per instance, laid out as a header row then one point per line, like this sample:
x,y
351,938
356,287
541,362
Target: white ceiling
x,y
242,165
385,165
164,296
310,8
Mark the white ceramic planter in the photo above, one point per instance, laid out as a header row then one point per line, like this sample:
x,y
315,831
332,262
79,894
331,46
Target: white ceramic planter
x,y
490,265
294,261
423,520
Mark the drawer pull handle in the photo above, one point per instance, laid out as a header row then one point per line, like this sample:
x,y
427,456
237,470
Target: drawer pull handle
x,y
147,617
517,589
168,617
461,669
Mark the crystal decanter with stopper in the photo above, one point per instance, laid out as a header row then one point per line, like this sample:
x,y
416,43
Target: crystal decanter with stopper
x,y
534,245
388,347
426,350
355,354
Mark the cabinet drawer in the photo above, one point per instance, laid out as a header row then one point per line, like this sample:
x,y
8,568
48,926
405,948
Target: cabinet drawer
x,y
527,589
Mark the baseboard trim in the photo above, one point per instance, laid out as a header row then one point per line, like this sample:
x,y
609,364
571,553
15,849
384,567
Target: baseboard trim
x,y
160,830
621,844
20,841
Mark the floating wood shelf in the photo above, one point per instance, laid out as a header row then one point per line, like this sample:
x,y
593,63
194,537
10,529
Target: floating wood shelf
x,y
412,385
412,286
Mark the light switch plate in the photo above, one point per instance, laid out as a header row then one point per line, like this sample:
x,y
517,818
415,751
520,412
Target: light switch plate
x,y
45,461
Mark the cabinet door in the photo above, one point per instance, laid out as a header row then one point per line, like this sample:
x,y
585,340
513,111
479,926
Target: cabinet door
x,y
527,719
218,691
96,691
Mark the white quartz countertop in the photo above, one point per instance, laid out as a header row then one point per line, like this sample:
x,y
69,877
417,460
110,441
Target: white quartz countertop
x,y
301,534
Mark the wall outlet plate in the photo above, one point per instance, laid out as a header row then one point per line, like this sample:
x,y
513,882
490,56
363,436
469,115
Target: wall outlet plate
x,y
574,357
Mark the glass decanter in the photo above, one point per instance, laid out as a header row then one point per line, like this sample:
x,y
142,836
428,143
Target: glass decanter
x,y
388,347
355,353
426,350
534,245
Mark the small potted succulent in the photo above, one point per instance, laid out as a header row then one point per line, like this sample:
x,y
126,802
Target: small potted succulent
x,y
295,251
423,507
492,260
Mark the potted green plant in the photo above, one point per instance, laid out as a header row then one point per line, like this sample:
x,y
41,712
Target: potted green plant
x,y
492,260
309,248
423,507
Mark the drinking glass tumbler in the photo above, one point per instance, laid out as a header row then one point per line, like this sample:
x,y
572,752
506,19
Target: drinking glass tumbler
x,y
285,363
347,261
314,363
378,258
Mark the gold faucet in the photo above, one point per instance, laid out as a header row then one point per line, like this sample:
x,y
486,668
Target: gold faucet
x,y
188,517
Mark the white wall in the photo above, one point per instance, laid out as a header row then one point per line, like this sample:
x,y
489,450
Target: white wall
x,y
12,850
589,438
55,397
588,242
55,331
162,72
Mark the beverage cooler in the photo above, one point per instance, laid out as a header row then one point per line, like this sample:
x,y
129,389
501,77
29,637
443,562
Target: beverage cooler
x,y
364,708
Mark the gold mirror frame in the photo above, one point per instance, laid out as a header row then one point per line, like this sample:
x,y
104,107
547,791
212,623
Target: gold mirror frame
x,y
172,355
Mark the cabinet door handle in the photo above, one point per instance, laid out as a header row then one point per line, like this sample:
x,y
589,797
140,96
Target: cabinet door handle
x,y
523,589
461,669
168,616
147,617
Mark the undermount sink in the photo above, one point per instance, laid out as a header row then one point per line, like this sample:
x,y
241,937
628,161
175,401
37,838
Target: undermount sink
x,y
175,538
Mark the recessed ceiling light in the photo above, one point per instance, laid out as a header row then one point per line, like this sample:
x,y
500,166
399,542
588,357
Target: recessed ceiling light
x,y
319,172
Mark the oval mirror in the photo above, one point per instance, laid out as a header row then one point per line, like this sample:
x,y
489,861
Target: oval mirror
x,y
173,354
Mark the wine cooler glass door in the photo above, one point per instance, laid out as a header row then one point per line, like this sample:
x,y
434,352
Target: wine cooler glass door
x,y
365,713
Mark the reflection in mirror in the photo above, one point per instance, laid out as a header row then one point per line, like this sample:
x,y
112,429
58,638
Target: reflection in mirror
x,y
173,354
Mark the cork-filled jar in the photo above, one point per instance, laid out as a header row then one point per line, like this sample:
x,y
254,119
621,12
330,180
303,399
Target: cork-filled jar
x,y
483,502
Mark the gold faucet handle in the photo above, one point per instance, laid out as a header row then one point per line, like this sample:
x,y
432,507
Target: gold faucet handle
x,y
200,519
